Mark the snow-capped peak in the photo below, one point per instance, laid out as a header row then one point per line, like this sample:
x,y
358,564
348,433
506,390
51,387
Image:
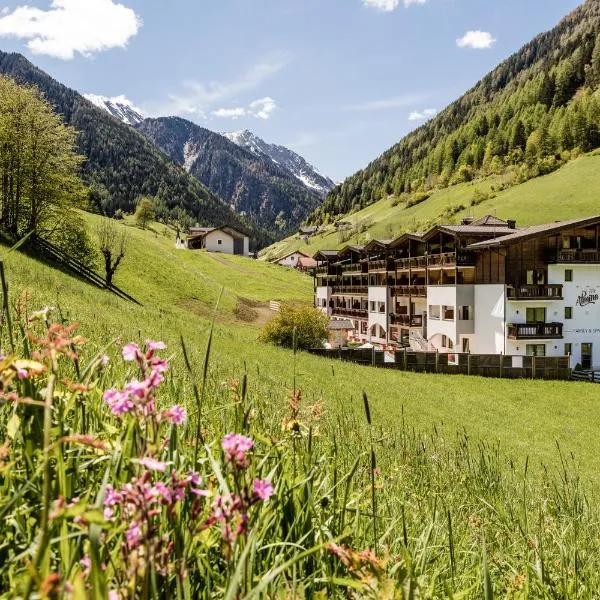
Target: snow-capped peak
x,y
284,157
119,106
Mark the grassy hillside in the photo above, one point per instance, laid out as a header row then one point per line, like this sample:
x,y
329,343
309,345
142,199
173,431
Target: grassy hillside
x,y
570,192
178,290
464,475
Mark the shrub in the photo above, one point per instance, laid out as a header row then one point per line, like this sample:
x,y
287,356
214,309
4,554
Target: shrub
x,y
306,326
417,199
479,197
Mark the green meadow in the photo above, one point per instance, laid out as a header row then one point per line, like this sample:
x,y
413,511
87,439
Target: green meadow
x,y
371,483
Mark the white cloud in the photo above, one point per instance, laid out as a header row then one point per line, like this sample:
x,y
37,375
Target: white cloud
x,y
71,26
387,103
198,98
390,5
423,115
259,109
478,40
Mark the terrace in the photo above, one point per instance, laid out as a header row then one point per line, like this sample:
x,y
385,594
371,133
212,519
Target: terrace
x,y
536,331
535,292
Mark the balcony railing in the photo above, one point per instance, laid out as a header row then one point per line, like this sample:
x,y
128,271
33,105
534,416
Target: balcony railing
x,y
407,320
536,331
579,256
415,291
535,292
327,270
347,290
381,265
354,268
447,259
351,312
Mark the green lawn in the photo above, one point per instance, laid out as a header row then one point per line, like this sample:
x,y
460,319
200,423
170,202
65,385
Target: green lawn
x,y
568,193
179,288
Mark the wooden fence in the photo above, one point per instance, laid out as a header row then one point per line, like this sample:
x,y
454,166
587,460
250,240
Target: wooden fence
x,y
71,264
275,306
589,376
484,365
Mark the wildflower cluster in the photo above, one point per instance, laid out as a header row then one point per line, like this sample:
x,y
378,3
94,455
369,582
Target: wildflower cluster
x,y
138,396
231,510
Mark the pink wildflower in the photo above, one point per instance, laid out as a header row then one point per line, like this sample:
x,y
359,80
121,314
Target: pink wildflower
x,y
86,563
22,373
118,402
176,414
236,447
131,352
262,489
134,535
155,345
104,360
153,464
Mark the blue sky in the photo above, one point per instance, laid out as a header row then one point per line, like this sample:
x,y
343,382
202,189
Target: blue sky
x,y
337,80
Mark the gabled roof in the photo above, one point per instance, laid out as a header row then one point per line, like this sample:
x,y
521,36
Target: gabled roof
x,y
292,254
351,248
377,245
340,325
307,262
326,254
489,220
417,237
485,231
534,231
200,232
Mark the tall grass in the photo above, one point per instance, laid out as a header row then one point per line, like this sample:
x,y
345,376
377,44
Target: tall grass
x,y
359,508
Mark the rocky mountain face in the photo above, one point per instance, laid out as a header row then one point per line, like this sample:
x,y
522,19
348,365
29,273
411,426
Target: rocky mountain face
x,y
254,185
286,158
119,107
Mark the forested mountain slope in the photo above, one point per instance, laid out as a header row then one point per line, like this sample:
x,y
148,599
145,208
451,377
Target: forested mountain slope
x,y
253,185
527,117
121,164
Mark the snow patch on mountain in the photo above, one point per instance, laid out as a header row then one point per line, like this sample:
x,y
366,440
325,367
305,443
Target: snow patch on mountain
x,y
120,107
284,157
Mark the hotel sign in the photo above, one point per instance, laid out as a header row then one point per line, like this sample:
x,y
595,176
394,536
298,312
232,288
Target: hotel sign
x,y
587,297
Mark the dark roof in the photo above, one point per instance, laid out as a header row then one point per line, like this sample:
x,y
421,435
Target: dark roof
x,y
418,236
489,220
200,232
340,325
483,230
326,254
535,230
377,244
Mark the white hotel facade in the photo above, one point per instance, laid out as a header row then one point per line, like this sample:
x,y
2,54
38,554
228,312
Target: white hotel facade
x,y
483,287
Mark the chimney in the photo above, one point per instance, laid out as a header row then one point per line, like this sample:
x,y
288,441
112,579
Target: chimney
x,y
512,224
467,221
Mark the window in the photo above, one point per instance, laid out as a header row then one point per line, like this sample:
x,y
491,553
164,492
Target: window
x,y
536,277
568,312
219,242
536,350
568,274
448,312
568,349
434,312
465,313
372,306
444,341
450,344
536,315
466,347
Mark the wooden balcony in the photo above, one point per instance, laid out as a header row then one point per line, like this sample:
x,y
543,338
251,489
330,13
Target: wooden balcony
x,y
381,266
536,331
347,290
354,313
578,256
447,259
535,292
407,320
353,269
327,270
405,291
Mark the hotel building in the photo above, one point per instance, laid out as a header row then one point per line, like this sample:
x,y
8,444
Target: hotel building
x,y
483,286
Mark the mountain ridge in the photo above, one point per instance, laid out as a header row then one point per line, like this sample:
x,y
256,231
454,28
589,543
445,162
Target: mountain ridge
x,y
281,155
252,183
